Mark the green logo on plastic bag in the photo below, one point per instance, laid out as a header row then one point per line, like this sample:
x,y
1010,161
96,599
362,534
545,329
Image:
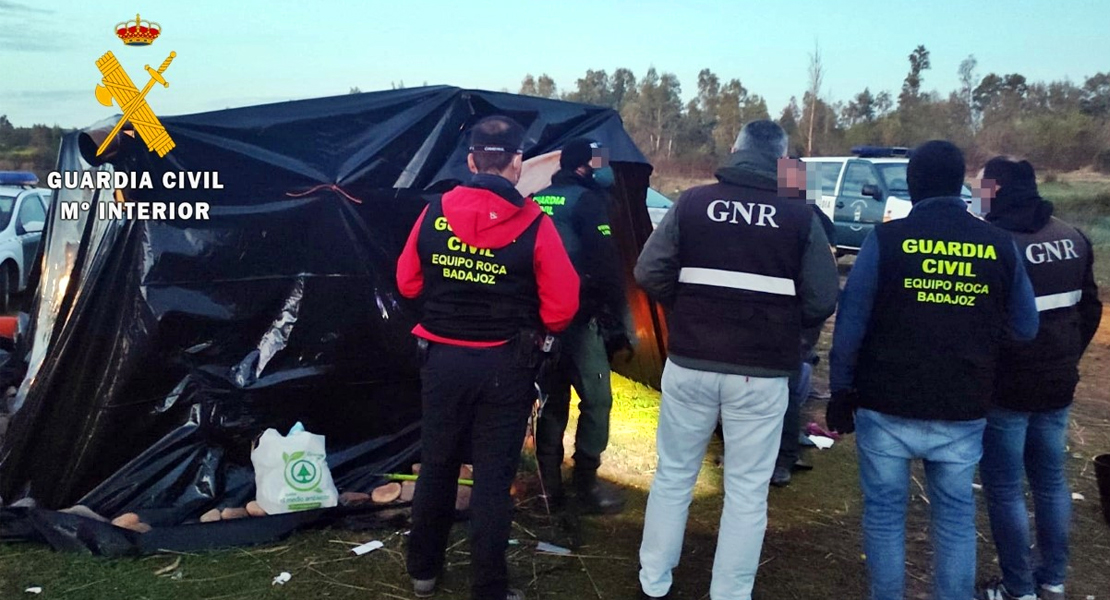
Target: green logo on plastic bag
x,y
300,474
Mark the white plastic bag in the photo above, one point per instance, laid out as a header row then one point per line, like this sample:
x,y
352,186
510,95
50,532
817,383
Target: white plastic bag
x,y
291,472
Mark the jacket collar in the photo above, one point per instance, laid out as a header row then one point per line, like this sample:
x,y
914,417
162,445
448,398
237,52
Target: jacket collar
x,y
571,177
939,203
498,185
749,169
1020,208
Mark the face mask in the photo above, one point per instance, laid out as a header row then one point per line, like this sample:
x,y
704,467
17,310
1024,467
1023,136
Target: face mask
x,y
604,177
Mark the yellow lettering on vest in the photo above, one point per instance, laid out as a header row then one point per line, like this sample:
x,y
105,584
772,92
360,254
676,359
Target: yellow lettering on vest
x,y
441,224
909,246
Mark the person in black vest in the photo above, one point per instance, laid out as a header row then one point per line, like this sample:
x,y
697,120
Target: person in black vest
x,y
579,205
918,334
493,276
742,271
1027,424
800,383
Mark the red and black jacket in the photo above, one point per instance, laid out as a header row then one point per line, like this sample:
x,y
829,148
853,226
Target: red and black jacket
x,y
487,264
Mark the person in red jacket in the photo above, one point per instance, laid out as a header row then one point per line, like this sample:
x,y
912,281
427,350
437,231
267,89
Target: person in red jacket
x,y
494,279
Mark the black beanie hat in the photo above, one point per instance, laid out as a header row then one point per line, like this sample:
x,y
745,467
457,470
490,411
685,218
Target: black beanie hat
x,y
936,169
496,134
577,153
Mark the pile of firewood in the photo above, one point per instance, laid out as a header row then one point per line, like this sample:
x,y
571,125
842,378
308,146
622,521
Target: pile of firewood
x,y
390,493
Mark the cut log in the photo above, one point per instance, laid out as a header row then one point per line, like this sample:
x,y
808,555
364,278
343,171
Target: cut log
x,y
126,520
228,514
211,516
462,497
254,509
353,498
408,490
386,493
140,527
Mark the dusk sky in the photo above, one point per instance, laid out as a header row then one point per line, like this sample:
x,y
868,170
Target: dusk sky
x,y
237,53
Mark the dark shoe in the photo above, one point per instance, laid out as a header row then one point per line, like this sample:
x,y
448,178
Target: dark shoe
x,y
551,478
423,588
781,477
596,496
801,465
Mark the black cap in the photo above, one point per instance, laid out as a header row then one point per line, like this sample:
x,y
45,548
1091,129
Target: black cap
x,y
936,169
497,134
577,153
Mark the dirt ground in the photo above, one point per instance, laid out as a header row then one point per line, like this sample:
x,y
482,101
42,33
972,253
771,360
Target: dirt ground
x,y
812,550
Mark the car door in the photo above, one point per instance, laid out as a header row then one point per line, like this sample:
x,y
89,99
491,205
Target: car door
x,y
828,175
28,228
857,214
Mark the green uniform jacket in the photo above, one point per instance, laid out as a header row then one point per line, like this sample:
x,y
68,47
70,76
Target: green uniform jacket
x,y
580,209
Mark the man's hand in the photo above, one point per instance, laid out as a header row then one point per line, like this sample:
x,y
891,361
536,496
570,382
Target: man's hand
x,y
614,336
840,414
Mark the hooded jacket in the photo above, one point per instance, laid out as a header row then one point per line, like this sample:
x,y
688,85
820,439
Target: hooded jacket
x,y
1042,375
742,270
479,286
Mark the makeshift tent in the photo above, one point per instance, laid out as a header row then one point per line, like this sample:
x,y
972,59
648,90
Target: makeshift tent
x,y
159,350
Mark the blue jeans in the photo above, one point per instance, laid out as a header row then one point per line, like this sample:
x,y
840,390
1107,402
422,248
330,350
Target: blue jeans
x,y
950,450
1018,444
800,385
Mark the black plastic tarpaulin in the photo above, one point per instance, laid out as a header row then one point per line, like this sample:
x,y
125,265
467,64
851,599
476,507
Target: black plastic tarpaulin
x,y
160,349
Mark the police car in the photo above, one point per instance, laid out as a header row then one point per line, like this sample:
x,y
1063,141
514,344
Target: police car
x,y
858,192
657,206
22,217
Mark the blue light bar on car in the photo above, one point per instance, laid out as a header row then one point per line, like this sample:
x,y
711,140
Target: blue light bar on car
x,y
18,178
881,151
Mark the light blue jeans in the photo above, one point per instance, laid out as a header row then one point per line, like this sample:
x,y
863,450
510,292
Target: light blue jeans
x,y
1017,444
950,450
751,411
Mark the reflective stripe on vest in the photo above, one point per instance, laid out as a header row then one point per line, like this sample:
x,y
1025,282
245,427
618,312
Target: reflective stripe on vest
x,y
1054,301
737,280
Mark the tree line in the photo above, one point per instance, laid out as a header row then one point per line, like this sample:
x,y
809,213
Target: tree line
x,y
32,148
1058,125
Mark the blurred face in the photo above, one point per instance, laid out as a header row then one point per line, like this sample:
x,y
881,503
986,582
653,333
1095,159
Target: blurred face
x,y
791,175
796,179
599,158
985,190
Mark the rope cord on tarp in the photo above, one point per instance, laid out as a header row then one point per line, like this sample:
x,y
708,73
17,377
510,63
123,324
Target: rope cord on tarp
x,y
324,186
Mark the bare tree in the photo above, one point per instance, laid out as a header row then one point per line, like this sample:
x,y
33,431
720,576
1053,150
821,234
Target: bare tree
x,y
816,77
968,80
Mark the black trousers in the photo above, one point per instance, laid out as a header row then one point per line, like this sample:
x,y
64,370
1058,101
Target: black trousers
x,y
479,399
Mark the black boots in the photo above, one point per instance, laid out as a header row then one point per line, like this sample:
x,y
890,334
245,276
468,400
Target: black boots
x,y
551,478
596,496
